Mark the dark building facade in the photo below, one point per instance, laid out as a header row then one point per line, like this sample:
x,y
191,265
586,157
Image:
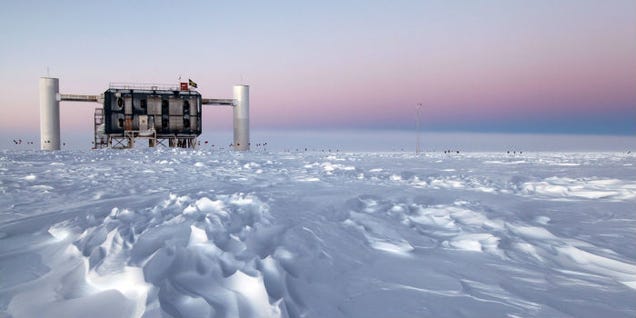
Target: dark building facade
x,y
168,113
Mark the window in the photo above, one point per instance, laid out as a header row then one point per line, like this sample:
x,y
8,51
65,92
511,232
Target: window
x,y
186,107
164,106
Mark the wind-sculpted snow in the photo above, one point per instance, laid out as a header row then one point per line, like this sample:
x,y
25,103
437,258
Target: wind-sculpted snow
x,y
172,233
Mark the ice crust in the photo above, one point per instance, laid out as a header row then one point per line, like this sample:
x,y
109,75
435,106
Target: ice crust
x,y
172,233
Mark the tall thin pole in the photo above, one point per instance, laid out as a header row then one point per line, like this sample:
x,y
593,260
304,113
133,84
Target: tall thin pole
x,y
417,128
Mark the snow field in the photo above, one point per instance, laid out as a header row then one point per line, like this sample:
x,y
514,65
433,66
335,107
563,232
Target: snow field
x,y
174,233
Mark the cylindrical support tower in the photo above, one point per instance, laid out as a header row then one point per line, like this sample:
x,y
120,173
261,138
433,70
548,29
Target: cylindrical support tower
x,y
242,117
49,113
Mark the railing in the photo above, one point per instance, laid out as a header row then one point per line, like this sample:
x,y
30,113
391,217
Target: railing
x,y
78,98
145,86
218,101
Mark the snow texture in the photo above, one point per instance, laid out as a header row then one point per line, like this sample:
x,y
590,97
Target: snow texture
x,y
175,233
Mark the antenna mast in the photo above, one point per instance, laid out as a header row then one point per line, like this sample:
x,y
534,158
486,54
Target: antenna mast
x,y
417,128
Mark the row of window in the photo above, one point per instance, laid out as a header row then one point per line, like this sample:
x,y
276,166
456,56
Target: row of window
x,y
164,123
143,104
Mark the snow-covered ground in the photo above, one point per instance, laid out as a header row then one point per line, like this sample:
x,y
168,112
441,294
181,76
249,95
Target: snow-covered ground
x,y
176,233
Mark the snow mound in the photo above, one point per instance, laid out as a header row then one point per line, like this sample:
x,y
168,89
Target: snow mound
x,y
582,188
186,261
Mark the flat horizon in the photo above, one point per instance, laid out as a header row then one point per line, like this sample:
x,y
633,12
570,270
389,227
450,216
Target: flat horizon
x,y
374,141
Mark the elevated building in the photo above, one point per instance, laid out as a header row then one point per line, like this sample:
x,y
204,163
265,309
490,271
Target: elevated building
x,y
163,114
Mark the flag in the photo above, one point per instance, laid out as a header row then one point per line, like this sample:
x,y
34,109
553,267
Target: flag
x,y
192,83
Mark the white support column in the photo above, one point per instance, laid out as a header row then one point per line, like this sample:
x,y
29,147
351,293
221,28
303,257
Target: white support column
x,y
242,117
49,113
